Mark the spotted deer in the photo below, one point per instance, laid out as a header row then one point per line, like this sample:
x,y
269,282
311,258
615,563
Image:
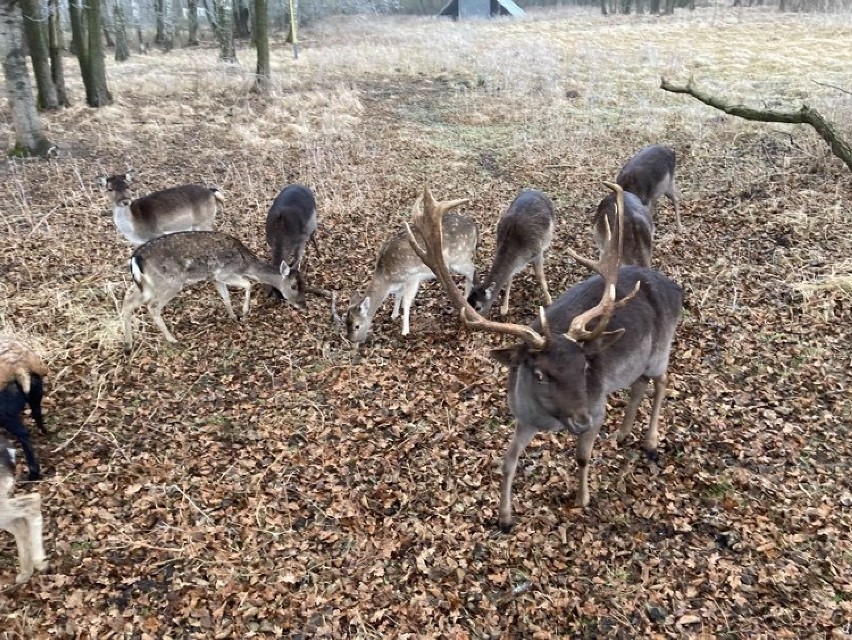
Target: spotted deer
x,y
162,267
189,207
399,271
638,227
20,516
524,234
649,175
610,332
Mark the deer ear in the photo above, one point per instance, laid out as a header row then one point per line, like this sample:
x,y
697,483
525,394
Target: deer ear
x,y
364,307
602,342
284,268
101,181
489,292
128,177
507,356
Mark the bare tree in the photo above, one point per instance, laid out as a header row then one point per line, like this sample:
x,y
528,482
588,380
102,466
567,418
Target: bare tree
x,y
192,10
36,34
55,46
122,51
86,30
225,30
29,139
262,81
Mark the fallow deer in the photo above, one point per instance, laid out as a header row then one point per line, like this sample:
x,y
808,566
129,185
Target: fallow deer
x,y
523,235
638,230
189,207
612,331
399,271
649,175
20,516
290,223
162,267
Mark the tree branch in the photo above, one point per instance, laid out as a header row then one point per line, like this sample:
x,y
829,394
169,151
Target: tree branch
x,y
804,115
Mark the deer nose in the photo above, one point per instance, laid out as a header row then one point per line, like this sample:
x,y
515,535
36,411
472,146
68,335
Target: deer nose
x,y
124,202
580,423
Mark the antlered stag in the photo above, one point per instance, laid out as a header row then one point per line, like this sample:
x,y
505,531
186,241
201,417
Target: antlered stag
x,y
188,207
524,233
649,175
612,331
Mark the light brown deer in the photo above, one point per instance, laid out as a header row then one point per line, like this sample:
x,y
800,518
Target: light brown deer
x,y
20,516
612,331
649,175
524,234
638,234
189,207
162,267
399,272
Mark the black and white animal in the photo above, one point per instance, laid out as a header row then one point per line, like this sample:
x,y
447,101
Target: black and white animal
x,y
524,234
22,375
649,175
189,207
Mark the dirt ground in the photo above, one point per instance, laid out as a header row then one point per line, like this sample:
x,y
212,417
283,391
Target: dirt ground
x,y
263,479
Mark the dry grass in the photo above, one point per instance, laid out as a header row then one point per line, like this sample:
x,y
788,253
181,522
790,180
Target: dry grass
x,y
263,479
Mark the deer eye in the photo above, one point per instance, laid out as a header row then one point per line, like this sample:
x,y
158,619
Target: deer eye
x,y
539,375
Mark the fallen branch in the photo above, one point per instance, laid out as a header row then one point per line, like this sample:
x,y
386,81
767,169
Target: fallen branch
x,y
804,115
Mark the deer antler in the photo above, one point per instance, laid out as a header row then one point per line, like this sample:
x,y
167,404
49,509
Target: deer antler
x,y
606,266
427,216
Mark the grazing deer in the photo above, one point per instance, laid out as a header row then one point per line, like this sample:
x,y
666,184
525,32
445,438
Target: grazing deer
x,y
612,331
189,207
523,235
399,272
290,224
651,174
162,267
20,516
638,230
21,383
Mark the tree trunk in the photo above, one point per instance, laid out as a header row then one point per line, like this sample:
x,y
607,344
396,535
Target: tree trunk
x,y
55,46
263,80
122,51
34,23
192,10
160,10
97,93
168,26
78,39
242,16
106,24
29,140
603,7
224,19
654,7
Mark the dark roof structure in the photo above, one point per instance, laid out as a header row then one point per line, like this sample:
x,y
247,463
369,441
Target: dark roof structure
x,y
461,9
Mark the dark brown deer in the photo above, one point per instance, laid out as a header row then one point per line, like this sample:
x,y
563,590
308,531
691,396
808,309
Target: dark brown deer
x,y
162,267
290,224
610,332
638,235
649,175
189,207
523,235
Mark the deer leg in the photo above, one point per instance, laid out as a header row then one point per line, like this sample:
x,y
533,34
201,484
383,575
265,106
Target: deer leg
x,y
18,527
407,298
156,311
28,509
504,306
523,436
242,283
16,427
585,442
132,301
538,265
674,195
397,300
314,241
652,437
222,288
637,393
34,398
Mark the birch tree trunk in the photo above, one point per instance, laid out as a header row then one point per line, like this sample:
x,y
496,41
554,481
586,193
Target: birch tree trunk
x,y
55,46
29,139
36,34
225,33
168,25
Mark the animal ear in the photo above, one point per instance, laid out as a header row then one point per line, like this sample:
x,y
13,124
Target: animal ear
x,y
102,181
489,292
284,268
129,177
364,308
507,356
602,342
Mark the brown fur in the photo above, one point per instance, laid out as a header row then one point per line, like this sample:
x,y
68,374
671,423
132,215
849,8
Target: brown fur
x,y
18,362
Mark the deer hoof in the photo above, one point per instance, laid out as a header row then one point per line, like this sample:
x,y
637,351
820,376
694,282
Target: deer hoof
x,y
652,454
505,527
23,577
40,565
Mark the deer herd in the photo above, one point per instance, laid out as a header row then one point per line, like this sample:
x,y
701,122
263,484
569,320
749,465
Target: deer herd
x,y
609,332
